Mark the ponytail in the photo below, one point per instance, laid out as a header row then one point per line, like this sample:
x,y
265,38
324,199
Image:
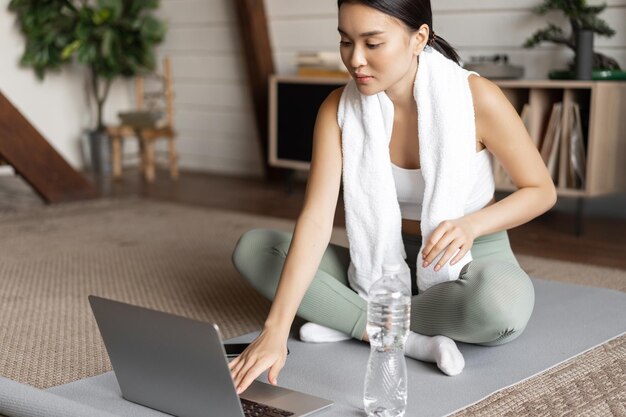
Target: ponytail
x,y
441,45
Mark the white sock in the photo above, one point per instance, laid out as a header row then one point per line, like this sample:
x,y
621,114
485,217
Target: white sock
x,y
439,349
316,333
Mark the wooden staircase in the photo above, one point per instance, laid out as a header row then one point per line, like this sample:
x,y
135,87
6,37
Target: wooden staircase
x,y
32,157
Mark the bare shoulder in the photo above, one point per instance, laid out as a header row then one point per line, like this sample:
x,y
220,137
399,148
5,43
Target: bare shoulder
x,y
485,93
320,199
326,125
330,104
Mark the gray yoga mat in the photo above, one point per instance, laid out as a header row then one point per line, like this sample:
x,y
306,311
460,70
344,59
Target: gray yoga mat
x,y
22,400
568,320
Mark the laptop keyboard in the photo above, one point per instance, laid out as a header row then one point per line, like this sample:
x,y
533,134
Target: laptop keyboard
x,y
254,409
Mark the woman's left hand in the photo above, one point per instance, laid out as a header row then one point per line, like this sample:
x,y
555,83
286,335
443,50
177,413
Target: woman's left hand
x,y
451,236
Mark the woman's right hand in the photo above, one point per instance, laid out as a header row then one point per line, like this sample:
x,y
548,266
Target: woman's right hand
x,y
268,350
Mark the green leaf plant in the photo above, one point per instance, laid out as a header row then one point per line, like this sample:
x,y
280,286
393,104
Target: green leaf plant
x,y
581,16
112,38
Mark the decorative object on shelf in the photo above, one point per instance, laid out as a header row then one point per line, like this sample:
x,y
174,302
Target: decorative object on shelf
x,y
112,38
585,22
596,75
584,54
494,67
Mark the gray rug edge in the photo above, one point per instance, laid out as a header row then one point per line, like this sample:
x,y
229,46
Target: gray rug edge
x,y
537,373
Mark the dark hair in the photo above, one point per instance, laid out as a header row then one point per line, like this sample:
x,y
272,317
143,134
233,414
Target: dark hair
x,y
414,13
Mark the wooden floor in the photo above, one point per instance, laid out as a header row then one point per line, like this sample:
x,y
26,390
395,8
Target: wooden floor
x,y
603,241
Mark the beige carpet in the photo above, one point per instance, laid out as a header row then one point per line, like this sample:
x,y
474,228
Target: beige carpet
x,y
177,259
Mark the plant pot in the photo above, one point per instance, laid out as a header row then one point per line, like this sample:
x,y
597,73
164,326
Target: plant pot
x,y
584,54
101,153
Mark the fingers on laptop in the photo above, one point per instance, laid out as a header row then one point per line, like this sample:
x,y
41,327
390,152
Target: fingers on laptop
x,y
249,373
245,374
272,376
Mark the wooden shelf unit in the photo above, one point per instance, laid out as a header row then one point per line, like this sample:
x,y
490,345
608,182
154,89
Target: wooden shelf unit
x,y
603,114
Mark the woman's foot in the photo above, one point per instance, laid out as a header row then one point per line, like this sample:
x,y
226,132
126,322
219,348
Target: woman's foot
x,y
316,333
439,349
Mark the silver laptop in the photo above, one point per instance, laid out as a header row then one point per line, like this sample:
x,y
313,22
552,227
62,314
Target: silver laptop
x,y
178,366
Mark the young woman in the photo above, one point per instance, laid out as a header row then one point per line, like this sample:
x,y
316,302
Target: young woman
x,y
492,299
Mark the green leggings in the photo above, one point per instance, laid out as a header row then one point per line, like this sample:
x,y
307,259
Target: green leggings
x,y
489,304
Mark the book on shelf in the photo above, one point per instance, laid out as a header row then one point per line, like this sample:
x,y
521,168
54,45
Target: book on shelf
x,y
576,151
572,150
549,137
320,59
306,71
562,148
321,64
554,151
566,131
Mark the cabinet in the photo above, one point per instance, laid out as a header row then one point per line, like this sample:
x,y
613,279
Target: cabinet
x,y
603,119
294,102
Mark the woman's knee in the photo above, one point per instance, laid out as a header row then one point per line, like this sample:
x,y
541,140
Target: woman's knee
x,y
256,241
501,299
259,255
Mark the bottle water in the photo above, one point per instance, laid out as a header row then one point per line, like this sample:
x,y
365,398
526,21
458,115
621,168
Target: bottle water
x,y
388,316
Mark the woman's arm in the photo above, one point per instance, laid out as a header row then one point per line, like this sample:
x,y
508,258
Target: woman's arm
x,y
310,239
502,131
314,225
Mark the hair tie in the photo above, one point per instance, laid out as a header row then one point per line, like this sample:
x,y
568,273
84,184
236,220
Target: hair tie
x,y
433,39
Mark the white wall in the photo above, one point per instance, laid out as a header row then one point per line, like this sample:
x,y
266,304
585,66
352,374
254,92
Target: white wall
x,y
213,113
484,27
56,106
214,117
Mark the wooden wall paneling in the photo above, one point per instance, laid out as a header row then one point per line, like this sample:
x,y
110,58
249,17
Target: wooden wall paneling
x,y
24,148
260,66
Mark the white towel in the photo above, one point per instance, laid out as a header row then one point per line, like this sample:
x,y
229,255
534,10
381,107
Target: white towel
x,y
447,144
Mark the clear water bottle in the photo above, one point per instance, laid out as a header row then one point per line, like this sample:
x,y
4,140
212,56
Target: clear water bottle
x,y
388,317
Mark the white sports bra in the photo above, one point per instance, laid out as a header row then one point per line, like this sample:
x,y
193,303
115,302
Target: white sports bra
x,y
410,187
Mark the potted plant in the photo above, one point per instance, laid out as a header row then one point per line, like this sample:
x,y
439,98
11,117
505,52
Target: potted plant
x,y
584,22
112,38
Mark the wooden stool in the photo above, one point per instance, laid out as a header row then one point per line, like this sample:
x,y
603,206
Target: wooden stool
x,y
147,136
